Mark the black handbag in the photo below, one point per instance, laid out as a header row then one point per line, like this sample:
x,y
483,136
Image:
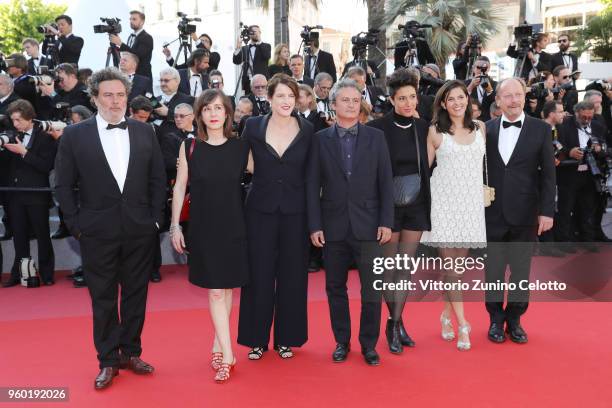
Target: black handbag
x,y
406,188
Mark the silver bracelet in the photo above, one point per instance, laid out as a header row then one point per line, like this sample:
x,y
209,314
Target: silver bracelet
x,y
174,228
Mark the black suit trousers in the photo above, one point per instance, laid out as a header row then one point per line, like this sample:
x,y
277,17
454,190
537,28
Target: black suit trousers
x,y
577,197
508,246
35,216
338,256
278,285
107,265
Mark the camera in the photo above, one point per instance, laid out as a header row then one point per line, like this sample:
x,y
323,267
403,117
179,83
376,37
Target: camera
x,y
538,90
184,27
7,136
38,80
215,83
309,37
154,101
245,32
414,29
43,29
50,125
602,85
428,79
382,104
363,39
110,26
328,115
524,36
568,86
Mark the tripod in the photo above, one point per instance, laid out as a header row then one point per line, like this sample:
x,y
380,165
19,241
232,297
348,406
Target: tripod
x,y
474,54
246,65
184,48
114,53
518,68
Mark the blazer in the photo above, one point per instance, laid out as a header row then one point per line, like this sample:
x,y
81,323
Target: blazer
x,y
487,100
143,48
557,59
185,84
364,201
374,92
100,209
279,182
525,187
43,61
4,106
423,53
178,98
70,49
140,86
325,63
263,51
544,63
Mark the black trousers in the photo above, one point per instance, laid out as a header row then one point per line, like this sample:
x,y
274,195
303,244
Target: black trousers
x,y
278,285
580,199
338,257
508,246
109,264
23,217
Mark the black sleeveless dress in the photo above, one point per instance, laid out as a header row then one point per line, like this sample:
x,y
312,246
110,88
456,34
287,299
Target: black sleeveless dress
x,y
217,231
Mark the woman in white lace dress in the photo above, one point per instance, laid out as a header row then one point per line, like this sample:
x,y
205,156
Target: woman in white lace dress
x,y
457,203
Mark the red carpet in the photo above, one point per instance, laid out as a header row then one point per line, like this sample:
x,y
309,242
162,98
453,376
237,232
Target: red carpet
x,y
45,340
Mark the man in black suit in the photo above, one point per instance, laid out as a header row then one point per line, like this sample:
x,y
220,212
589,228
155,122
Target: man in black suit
x,y
202,42
575,182
369,93
118,168
259,96
319,61
564,57
350,214
67,46
482,89
536,60
368,65
169,80
31,161
194,78
296,64
254,57
17,69
139,43
71,91
140,84
521,169
7,96
422,53
32,48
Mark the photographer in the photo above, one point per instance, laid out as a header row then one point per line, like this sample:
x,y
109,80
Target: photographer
x,y
215,81
202,42
259,86
140,84
604,87
244,109
368,93
253,56
370,66
563,57
194,78
141,109
71,91
536,60
564,89
139,43
7,96
414,42
597,99
31,159
481,87
296,65
31,47
17,68
581,140
307,107
319,61
430,71
466,51
169,80
65,45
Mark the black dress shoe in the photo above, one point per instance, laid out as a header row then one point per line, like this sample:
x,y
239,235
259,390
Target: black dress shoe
x,y
11,282
496,333
371,357
49,282
404,337
79,281
135,364
393,337
156,277
314,266
341,352
516,333
61,232
105,377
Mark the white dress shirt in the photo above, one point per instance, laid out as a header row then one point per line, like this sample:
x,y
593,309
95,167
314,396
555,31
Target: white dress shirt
x,y
195,84
584,135
27,136
567,61
116,146
313,64
508,137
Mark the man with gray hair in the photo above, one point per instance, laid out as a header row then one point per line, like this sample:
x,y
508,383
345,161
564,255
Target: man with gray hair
x,y
169,80
323,83
6,94
118,167
350,214
258,95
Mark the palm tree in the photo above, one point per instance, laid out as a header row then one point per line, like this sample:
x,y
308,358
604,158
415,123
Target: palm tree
x,y
452,21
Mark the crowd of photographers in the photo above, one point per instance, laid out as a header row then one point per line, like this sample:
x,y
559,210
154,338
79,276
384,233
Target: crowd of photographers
x,y
41,94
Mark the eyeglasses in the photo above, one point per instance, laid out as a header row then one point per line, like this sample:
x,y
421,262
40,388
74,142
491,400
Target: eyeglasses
x,y
565,77
165,80
180,116
481,67
260,86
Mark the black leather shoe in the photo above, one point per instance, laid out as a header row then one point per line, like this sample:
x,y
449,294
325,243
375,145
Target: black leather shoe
x,y
61,232
341,352
516,333
11,282
156,276
105,377
496,333
404,337
393,337
49,282
79,281
371,357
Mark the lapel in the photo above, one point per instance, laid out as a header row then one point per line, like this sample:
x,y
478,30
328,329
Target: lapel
x,y
263,127
33,138
99,151
363,144
133,149
493,140
521,140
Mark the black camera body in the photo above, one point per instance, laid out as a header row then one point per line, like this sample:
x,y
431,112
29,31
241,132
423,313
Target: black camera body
x,y
328,115
7,136
413,29
382,104
184,28
363,39
309,37
43,29
110,26
567,87
245,32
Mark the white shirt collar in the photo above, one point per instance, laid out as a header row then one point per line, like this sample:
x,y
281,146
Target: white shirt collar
x,y
5,98
167,97
306,112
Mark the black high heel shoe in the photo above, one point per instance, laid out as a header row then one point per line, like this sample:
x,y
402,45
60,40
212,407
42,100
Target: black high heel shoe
x,y
404,337
393,337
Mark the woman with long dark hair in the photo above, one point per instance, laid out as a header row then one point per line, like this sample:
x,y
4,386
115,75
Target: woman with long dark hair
x,y
214,164
406,136
457,143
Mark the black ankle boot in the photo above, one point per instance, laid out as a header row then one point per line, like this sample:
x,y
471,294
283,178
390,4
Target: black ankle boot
x,y
404,337
393,337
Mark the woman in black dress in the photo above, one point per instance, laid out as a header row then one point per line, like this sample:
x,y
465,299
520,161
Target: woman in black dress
x,y
213,164
276,226
404,131
281,61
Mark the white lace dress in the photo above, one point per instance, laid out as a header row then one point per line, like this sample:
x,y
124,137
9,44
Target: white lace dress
x,y
457,200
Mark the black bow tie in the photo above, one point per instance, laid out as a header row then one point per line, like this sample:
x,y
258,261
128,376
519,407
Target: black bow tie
x,y
506,125
120,125
252,45
195,75
35,58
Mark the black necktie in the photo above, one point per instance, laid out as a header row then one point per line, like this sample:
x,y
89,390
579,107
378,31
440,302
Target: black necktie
x,y
506,125
131,40
120,125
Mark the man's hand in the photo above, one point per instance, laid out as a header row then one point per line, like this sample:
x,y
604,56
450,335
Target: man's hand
x,y
383,235
318,239
576,153
561,94
114,38
17,148
545,223
162,110
474,84
238,43
56,134
166,52
47,88
52,29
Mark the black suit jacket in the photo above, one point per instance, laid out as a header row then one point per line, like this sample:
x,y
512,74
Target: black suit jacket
x,y
325,63
4,105
256,111
259,63
185,84
143,48
278,183
26,90
33,169
568,137
525,187
487,100
306,81
557,59
178,98
70,49
100,209
140,86
317,122
423,53
364,201
544,63
374,92
43,61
